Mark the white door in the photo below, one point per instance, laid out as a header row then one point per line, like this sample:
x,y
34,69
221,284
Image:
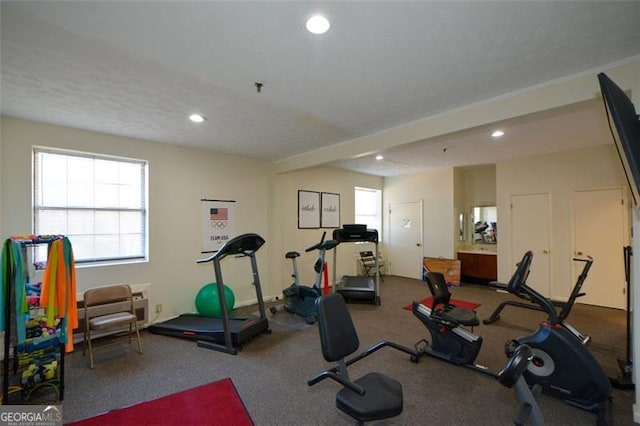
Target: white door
x,y
405,239
530,230
600,224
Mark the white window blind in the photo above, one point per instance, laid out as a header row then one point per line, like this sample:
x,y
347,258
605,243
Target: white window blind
x,y
99,202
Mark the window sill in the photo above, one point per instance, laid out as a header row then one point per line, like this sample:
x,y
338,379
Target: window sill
x,y
110,263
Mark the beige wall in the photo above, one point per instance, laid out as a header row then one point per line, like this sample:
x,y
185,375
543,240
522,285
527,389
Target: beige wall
x,y
459,205
321,179
178,179
267,204
436,189
558,174
480,186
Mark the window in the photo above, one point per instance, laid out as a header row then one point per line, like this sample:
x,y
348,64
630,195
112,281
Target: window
x,y
368,208
99,202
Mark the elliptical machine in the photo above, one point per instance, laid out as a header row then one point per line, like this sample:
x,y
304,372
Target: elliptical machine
x,y
562,365
300,299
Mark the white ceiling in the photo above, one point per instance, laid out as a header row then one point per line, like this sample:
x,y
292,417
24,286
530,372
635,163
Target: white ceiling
x,y
138,69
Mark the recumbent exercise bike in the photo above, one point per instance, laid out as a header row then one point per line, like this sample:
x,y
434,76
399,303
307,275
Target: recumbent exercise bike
x,y
562,365
564,306
376,396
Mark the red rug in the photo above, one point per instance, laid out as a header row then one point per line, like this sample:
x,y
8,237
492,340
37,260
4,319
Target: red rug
x,y
216,403
463,304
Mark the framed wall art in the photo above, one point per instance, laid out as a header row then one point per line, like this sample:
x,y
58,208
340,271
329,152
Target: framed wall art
x,y
330,210
308,209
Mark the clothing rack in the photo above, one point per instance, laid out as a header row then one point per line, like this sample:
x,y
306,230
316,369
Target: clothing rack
x,y
42,347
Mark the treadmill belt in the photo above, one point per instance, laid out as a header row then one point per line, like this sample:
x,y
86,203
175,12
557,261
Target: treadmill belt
x,y
197,327
358,289
358,282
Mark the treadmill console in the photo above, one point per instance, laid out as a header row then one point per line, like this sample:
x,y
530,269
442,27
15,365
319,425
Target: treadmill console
x,y
245,244
355,233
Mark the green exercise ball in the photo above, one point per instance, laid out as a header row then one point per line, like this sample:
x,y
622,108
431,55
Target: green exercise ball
x,y
208,302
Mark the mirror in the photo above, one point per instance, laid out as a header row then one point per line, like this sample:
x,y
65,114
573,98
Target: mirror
x,y
484,226
462,227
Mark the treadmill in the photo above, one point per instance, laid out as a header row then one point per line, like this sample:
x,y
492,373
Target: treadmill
x,y
225,334
357,288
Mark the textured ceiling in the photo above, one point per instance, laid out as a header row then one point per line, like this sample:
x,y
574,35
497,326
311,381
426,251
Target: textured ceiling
x,y
576,126
138,69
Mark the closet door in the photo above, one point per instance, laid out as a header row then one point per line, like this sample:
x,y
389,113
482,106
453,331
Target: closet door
x,y
600,231
531,230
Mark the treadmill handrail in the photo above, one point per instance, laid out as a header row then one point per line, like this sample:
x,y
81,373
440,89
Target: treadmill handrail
x,y
325,245
315,246
245,245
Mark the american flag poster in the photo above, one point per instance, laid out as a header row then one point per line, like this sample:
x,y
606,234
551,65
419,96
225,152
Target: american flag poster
x,y
219,213
217,224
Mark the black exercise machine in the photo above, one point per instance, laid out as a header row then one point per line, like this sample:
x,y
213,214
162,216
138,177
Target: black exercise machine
x,y
358,288
450,341
224,334
374,396
301,299
562,365
565,307
511,376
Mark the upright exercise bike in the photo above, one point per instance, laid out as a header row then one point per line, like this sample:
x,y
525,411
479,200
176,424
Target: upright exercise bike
x,y
300,299
562,365
565,307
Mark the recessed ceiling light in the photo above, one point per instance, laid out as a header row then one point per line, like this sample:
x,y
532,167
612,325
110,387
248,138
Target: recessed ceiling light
x,y
318,24
497,133
196,118
379,157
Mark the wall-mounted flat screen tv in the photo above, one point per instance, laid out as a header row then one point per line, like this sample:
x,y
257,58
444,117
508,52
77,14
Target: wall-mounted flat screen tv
x,y
625,128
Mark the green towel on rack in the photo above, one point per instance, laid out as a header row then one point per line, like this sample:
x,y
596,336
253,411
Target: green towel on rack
x,y
14,277
6,269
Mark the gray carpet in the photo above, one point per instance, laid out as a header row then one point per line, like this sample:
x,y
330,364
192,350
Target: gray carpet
x,y
271,371
285,319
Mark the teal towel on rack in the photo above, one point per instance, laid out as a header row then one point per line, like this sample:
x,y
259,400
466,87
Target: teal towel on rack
x,y
14,277
19,288
5,272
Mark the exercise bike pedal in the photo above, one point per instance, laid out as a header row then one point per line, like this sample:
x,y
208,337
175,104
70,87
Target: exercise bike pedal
x,y
510,347
421,347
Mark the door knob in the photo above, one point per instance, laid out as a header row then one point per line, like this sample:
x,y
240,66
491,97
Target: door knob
x,y
418,244
579,253
545,251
